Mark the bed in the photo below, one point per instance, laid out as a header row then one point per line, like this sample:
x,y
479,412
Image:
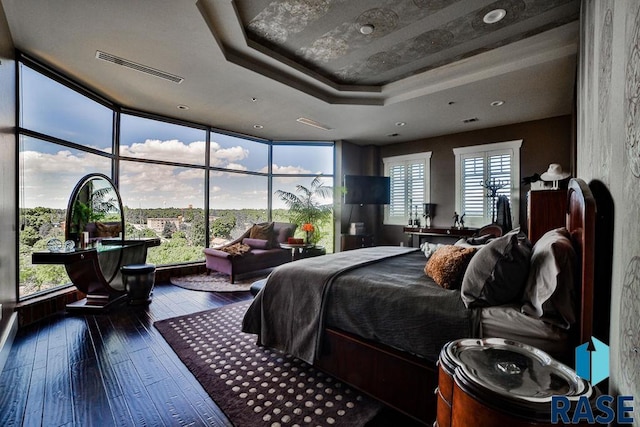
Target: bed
x,y
374,319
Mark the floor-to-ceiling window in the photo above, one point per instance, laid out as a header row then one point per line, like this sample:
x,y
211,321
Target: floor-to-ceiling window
x,y
162,182
63,136
295,170
188,184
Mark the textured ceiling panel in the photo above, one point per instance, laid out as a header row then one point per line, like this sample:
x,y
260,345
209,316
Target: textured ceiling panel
x,y
398,38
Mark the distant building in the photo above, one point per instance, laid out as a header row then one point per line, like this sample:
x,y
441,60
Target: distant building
x,y
158,224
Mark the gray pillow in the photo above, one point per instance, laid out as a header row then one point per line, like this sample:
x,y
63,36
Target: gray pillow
x,y
549,293
497,274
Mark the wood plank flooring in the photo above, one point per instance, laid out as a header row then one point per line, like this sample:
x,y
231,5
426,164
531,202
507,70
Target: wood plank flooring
x,y
114,369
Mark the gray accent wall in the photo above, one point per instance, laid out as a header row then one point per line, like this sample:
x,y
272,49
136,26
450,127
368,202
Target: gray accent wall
x,y
608,157
543,142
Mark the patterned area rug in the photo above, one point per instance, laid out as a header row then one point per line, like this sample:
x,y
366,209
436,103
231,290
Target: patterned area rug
x,y
256,386
214,282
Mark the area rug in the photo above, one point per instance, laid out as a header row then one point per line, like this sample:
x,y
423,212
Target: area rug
x,y
256,386
214,282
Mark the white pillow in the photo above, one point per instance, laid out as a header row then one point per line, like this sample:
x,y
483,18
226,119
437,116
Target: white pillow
x,y
429,248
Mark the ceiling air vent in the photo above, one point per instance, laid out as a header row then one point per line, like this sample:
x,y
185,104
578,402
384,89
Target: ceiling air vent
x,y
138,67
310,122
471,120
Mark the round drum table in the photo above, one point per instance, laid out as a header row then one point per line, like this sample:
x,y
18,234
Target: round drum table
x,y
495,382
139,280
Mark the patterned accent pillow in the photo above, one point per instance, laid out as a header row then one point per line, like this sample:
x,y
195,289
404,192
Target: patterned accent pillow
x,y
263,231
447,265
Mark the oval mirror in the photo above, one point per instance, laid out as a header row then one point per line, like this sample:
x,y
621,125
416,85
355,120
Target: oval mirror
x,y
95,213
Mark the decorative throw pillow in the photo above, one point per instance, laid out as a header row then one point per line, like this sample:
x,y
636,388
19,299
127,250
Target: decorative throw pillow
x,y
263,231
549,293
498,273
447,265
236,249
256,243
107,230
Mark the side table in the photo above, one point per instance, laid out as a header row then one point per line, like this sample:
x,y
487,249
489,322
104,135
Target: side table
x,y
300,248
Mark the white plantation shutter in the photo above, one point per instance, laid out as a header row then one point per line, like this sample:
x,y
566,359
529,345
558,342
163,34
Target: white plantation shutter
x,y
476,165
397,207
409,185
472,189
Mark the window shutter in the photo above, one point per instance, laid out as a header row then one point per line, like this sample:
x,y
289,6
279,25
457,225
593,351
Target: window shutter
x,y
416,184
473,193
398,180
409,186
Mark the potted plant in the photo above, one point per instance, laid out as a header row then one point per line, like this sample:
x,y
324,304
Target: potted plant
x,y
306,208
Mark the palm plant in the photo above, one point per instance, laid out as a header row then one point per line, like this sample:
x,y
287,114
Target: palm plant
x,y
305,206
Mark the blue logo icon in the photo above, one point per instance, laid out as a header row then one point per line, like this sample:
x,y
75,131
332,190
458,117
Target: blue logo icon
x,y
592,361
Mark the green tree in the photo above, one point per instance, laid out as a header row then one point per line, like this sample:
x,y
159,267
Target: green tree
x,y
305,206
223,226
29,236
169,229
196,233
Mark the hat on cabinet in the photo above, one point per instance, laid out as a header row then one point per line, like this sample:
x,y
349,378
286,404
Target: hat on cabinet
x,y
554,173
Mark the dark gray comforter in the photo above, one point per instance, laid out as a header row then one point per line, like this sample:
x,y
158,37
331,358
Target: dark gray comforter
x,y
379,293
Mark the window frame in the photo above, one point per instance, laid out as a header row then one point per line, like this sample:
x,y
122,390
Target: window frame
x,y
406,160
115,157
485,150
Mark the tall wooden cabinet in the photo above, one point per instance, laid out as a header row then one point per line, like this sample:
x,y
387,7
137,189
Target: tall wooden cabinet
x,y
546,210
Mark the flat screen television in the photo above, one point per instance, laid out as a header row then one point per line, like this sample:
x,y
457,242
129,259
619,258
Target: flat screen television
x,y
367,190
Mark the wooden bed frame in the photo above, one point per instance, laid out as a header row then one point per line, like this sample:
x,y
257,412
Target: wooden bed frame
x,y
406,382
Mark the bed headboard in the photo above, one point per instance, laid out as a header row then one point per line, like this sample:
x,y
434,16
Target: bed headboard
x,y
581,223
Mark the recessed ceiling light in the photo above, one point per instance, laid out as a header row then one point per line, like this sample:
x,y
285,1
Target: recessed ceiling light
x,y
497,103
400,123
254,99
367,29
183,107
470,120
494,16
393,135
258,126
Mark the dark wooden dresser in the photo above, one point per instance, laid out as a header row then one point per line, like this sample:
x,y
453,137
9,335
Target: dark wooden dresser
x,y
546,210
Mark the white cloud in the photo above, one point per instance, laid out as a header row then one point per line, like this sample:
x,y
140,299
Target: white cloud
x,y
169,150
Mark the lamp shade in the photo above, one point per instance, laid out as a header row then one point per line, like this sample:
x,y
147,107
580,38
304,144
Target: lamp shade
x,y
430,209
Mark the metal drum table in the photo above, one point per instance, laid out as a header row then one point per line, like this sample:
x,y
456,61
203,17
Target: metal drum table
x,y
495,382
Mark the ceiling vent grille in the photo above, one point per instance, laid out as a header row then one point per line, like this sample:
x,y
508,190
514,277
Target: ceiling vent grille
x,y
313,123
138,67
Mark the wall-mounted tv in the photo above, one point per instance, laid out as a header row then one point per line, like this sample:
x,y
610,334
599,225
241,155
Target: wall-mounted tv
x,y
367,190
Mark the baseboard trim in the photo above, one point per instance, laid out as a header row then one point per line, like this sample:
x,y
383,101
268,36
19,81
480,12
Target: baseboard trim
x,y
6,341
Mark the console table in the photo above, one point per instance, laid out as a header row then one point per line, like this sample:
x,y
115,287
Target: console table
x,y
424,232
96,272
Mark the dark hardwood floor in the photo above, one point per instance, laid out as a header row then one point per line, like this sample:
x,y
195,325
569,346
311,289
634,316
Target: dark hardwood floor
x,y
114,369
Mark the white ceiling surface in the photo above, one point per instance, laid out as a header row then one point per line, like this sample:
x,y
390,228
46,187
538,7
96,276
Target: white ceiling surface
x,y
535,77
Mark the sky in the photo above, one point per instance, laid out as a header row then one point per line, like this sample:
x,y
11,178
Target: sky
x,y
50,171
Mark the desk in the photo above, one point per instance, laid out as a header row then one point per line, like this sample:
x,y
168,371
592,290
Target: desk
x,y
96,271
423,232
